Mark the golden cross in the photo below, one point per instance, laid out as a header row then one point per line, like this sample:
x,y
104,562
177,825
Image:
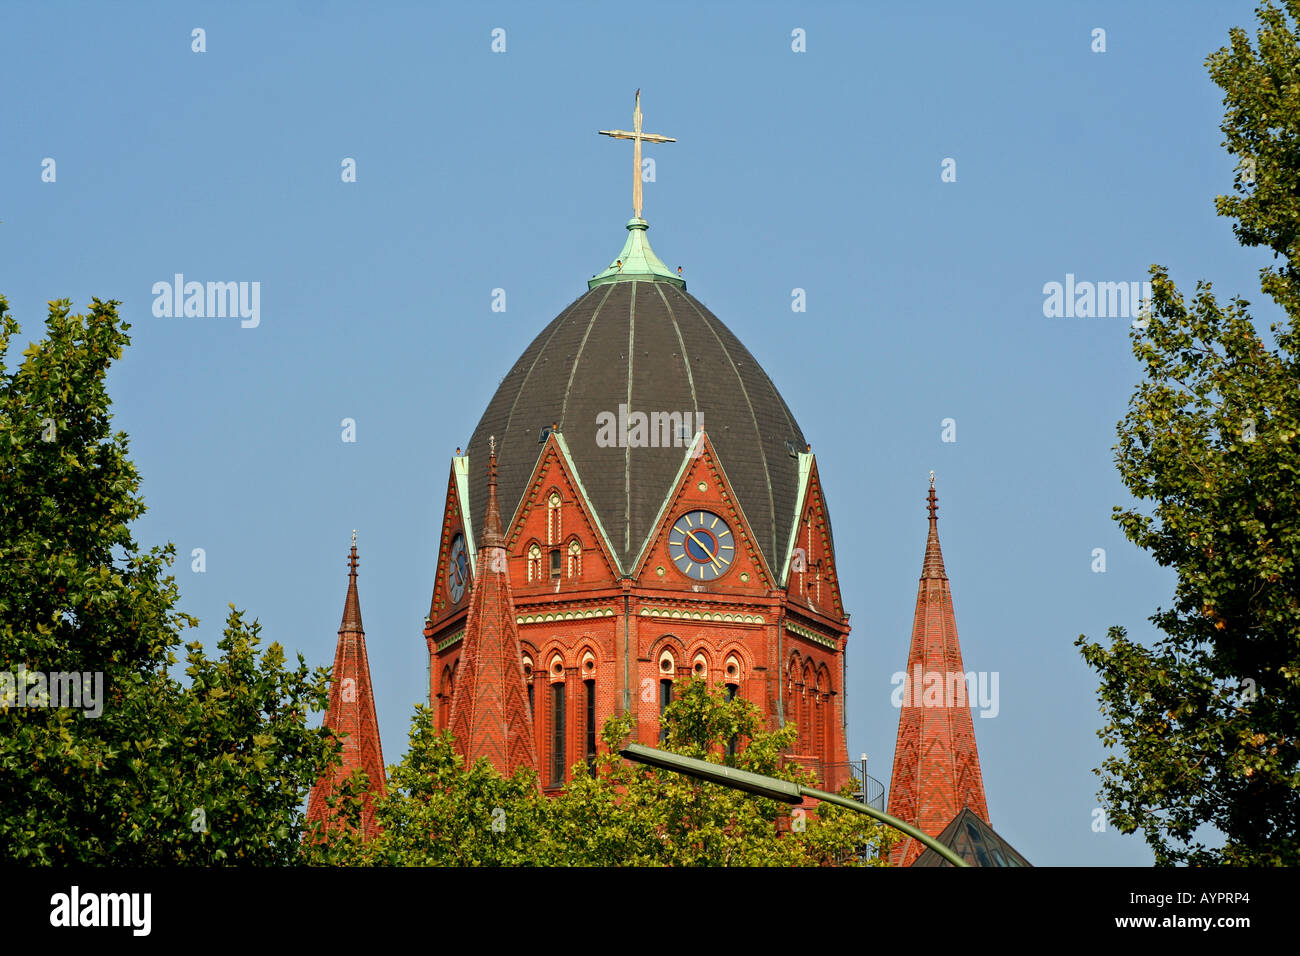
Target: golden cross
x,y
637,137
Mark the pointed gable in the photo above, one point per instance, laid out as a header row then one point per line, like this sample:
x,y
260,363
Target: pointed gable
x,y
489,715
936,765
702,484
541,525
454,522
809,574
350,713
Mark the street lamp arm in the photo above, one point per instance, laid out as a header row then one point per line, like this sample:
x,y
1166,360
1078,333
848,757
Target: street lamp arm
x,y
775,789
885,818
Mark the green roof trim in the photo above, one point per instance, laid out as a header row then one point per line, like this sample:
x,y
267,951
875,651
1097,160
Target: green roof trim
x,y
460,466
805,473
636,261
810,634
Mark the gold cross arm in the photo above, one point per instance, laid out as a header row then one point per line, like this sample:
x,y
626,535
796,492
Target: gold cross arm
x,y
644,137
637,137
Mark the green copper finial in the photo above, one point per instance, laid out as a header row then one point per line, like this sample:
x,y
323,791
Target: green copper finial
x,y
636,261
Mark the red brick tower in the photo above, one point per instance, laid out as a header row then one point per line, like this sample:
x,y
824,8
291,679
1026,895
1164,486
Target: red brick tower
x,y
351,711
662,517
936,764
489,710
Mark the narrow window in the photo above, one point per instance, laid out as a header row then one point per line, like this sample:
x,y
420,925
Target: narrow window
x,y
527,663
555,562
665,698
591,726
731,744
557,734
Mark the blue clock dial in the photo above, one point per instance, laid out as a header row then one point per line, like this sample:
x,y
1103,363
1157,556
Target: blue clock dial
x,y
701,546
457,570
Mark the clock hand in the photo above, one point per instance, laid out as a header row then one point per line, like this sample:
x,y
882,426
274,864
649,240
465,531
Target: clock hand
x,y
704,547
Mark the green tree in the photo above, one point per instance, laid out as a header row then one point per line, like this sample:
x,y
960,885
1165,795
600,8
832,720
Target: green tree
x,y
210,772
437,812
1208,719
638,815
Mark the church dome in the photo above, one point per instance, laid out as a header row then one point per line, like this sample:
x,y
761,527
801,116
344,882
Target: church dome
x,y
639,340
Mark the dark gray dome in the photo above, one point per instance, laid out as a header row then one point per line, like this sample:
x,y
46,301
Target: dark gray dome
x,y
651,346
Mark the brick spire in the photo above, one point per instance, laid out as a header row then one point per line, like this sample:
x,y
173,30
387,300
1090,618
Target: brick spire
x,y
351,711
489,706
936,765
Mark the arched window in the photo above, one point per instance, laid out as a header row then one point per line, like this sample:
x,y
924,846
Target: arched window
x,y
667,670
665,698
792,691
825,726
807,692
575,559
700,667
444,698
557,734
534,563
732,669
528,682
558,712
553,518
818,723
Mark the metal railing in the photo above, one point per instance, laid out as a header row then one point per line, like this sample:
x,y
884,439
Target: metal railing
x,y
866,788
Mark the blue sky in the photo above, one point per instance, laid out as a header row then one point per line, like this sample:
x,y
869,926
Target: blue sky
x,y
477,170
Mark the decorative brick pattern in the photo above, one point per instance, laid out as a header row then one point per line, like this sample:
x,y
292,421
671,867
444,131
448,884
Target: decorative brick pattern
x,y
489,709
936,764
351,714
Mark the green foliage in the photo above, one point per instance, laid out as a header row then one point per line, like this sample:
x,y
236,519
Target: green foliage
x,y
637,815
1261,87
214,772
438,812
1208,719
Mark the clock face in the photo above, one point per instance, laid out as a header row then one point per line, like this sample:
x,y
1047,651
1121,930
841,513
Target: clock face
x,y
701,545
458,570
